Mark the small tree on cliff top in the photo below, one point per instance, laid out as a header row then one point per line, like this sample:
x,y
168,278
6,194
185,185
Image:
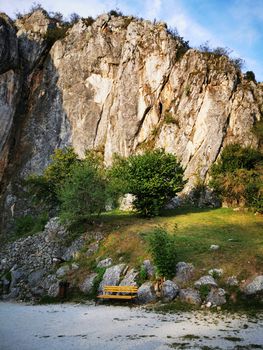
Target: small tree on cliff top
x,y
153,178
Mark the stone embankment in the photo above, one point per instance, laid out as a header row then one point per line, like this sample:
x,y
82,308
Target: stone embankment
x,y
40,265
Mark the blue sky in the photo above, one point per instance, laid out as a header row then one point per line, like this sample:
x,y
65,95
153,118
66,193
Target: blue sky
x,y
236,24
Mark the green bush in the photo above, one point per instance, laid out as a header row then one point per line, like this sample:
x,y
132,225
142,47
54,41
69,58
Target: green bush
x,y
84,193
163,250
43,189
238,176
153,178
250,76
29,225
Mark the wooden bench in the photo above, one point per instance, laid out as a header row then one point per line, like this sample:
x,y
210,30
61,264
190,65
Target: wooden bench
x,y
127,292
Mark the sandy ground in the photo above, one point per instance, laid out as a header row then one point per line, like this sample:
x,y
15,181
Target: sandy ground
x,y
69,326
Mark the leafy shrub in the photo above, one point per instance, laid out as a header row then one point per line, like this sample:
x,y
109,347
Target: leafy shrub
x,y
169,119
204,291
83,193
258,130
74,18
29,225
222,51
238,176
56,33
184,44
44,188
116,13
235,157
163,249
153,178
142,277
88,21
250,76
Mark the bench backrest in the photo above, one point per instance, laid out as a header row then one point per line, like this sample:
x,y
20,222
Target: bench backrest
x,y
120,289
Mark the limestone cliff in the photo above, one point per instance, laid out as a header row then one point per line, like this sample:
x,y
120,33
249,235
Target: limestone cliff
x,y
118,85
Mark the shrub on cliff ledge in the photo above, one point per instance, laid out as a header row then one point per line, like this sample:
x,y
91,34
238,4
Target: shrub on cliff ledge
x,y
43,189
238,176
153,178
85,192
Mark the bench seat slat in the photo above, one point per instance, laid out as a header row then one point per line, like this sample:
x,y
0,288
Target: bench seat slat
x,y
120,292
114,296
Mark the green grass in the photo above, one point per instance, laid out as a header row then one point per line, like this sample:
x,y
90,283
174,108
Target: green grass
x,y
239,235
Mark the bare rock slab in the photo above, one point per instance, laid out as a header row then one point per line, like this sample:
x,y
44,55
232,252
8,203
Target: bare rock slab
x,y
190,296
169,290
146,293
87,285
184,271
112,276
255,287
205,281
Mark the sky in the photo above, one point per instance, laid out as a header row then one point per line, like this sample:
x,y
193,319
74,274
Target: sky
x,y
235,24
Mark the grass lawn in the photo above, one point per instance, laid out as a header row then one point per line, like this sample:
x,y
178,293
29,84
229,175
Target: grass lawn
x,y
239,235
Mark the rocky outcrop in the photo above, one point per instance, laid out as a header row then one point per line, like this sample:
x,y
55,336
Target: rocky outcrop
x,y
169,290
112,276
27,266
120,85
205,281
255,286
184,271
10,83
190,296
146,293
216,297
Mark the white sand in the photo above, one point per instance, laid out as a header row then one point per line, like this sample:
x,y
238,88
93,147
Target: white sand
x,y
68,326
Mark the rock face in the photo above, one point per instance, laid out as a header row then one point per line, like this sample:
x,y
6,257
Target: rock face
x,y
120,85
25,265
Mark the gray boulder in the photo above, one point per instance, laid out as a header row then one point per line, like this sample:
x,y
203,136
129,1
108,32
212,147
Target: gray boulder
x,y
16,276
184,272
255,287
169,290
216,297
93,247
149,268
130,278
54,229
105,263
190,296
53,290
146,293
48,282
232,281
35,277
13,294
205,281
112,276
62,271
72,251
87,285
